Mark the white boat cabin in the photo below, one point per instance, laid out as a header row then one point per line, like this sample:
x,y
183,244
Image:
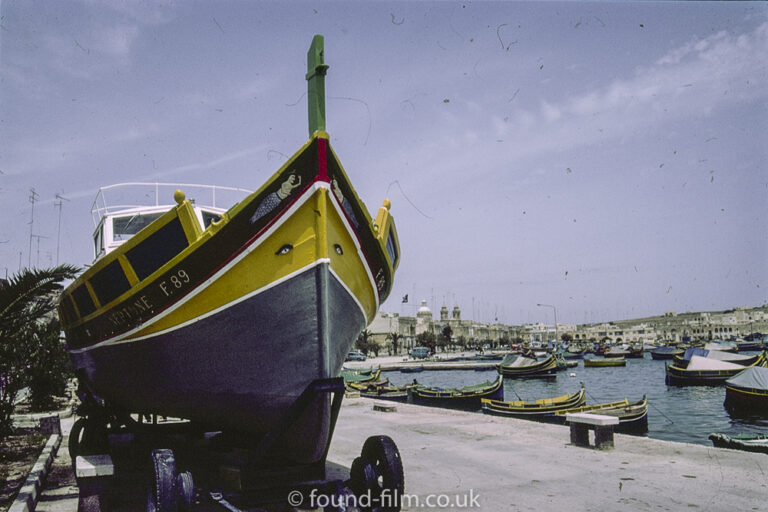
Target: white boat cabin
x,y
121,218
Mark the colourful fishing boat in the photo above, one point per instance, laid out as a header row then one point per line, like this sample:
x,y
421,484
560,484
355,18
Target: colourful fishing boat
x,y
601,362
467,398
369,384
745,442
225,316
706,371
633,417
357,376
681,361
662,353
747,391
528,367
537,409
389,393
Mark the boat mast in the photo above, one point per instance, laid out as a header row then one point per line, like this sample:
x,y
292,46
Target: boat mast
x,y
316,70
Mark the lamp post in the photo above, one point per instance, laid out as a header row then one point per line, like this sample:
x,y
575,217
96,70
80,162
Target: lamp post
x,y
555,310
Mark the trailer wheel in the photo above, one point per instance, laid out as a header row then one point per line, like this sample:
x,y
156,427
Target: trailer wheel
x,y
162,495
186,491
382,454
362,477
75,438
87,437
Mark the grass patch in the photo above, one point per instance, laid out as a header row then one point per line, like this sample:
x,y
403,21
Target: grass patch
x,y
18,453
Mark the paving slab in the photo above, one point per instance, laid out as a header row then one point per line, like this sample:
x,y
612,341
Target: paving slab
x,y
60,490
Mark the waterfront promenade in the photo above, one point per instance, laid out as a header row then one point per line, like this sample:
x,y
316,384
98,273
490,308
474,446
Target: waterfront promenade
x,y
517,465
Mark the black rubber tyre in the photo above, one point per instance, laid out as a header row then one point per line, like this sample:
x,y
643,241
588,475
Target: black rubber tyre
x,y
363,479
186,491
382,454
95,439
76,438
88,437
162,490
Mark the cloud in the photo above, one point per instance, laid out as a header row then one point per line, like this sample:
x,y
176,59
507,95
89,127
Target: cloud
x,y
115,41
692,80
211,164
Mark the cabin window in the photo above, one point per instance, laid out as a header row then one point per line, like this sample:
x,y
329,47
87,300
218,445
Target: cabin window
x,y
67,309
124,228
110,282
392,248
98,241
83,300
209,217
157,249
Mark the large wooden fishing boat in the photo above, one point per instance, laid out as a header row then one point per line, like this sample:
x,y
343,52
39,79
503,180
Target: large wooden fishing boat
x,y
226,316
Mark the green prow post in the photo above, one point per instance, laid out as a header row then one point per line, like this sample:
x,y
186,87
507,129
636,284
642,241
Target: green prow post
x,y
316,70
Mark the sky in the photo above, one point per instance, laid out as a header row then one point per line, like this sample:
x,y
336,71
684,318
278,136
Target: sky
x,y
605,159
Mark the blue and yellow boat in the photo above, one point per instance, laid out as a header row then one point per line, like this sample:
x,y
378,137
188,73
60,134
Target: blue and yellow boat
x,y
468,398
225,316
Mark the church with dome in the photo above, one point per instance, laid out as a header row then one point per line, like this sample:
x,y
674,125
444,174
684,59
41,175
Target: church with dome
x,y
409,327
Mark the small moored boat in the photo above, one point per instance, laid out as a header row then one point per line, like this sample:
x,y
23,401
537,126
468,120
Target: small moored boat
x,y
389,393
720,355
707,371
747,391
597,362
662,353
633,417
526,367
355,376
466,398
537,409
744,442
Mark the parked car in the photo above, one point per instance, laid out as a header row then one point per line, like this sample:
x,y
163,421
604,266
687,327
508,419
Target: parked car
x,y
419,352
356,355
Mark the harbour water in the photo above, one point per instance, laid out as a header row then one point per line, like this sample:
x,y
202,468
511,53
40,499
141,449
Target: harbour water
x,y
684,414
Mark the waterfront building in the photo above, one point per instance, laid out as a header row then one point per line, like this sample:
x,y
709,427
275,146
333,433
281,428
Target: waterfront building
x,y
385,324
666,328
471,332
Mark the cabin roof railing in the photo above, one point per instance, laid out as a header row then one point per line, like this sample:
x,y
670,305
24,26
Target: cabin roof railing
x,y
121,197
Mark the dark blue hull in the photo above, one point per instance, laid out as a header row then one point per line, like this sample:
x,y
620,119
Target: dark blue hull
x,y
241,368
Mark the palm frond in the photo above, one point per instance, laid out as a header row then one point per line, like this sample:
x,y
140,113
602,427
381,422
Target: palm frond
x,y
24,293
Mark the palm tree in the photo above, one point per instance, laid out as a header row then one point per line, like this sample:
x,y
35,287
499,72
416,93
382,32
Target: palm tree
x,y
25,299
365,344
395,337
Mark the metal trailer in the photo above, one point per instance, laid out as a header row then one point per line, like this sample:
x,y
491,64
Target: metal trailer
x,y
125,464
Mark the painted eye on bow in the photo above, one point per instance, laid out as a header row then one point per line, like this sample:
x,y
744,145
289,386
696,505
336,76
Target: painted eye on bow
x,y
284,249
338,249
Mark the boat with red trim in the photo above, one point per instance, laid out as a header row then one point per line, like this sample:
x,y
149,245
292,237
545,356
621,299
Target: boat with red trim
x,y
225,317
